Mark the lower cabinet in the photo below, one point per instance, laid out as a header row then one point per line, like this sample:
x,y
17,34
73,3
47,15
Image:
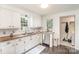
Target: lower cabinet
x,y
31,41
40,38
9,48
20,46
27,43
0,51
35,40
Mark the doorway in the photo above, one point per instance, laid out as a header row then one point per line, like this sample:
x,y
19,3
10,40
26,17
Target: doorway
x,y
49,25
67,30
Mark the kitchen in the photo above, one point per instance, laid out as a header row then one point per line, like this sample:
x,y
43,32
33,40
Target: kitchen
x,y
26,30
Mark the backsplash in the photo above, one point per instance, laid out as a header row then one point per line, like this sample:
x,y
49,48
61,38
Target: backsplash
x,y
6,32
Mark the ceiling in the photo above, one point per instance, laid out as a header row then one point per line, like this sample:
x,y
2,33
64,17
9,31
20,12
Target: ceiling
x,y
52,8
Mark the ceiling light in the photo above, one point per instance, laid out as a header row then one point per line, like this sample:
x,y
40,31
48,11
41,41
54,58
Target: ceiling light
x,y
44,5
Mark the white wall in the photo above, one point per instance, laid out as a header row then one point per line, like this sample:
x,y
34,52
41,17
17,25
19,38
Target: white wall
x,y
56,24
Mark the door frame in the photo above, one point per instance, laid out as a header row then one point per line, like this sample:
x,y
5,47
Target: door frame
x,y
74,27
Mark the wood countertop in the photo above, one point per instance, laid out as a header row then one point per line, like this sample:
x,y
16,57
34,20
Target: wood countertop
x,y
7,38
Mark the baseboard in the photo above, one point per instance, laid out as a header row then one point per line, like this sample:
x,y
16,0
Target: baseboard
x,y
45,44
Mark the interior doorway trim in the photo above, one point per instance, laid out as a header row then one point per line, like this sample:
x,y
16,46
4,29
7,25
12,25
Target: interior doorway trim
x,y
60,27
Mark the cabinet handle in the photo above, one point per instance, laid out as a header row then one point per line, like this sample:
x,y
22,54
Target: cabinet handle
x,y
16,44
24,42
30,38
1,50
13,45
19,39
24,49
8,42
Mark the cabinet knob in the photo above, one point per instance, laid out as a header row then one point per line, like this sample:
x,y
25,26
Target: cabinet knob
x,y
13,45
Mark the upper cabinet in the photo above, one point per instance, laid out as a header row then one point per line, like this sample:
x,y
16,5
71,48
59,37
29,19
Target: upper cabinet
x,y
36,20
9,19
15,20
12,19
4,18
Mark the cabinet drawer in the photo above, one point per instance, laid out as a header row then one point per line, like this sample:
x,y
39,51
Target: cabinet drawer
x,y
2,44
9,49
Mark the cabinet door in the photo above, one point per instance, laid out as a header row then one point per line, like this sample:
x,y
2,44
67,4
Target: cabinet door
x,y
5,18
9,48
15,21
20,46
46,38
27,43
0,51
30,42
40,39
34,40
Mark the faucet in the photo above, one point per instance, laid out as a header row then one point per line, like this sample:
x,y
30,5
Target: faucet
x,y
11,34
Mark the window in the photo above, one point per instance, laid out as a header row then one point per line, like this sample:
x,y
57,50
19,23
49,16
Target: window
x,y
24,22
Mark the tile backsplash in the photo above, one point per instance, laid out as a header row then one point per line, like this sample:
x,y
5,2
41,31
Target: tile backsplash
x,y
6,32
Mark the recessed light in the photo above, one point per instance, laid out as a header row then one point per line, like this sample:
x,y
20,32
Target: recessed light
x,y
44,5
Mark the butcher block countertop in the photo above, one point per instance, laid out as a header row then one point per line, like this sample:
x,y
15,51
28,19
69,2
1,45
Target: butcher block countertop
x,y
7,38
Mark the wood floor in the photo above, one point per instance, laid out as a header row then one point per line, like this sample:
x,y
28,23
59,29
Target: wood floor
x,y
59,50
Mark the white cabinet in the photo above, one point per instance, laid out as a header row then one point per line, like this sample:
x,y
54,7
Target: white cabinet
x,y
4,18
39,38
46,38
31,41
9,18
19,46
15,19
35,40
8,48
0,51
27,43
36,20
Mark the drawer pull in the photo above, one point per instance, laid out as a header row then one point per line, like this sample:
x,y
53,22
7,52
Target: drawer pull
x,y
16,44
19,39
24,42
8,42
1,50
